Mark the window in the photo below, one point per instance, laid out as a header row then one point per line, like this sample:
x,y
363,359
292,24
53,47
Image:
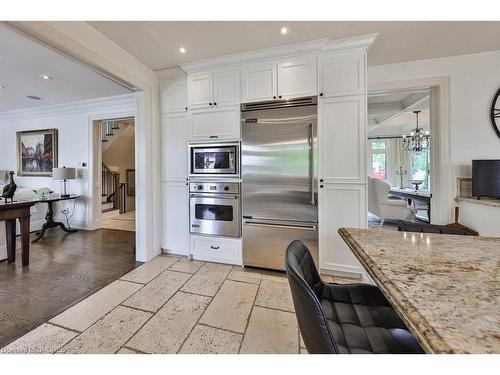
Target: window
x,y
420,168
378,156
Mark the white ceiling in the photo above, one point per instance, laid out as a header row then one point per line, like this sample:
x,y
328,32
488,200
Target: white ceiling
x,y
391,114
157,43
22,61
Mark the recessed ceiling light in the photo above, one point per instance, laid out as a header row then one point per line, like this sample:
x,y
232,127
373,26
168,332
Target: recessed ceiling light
x,y
182,50
46,77
284,30
33,97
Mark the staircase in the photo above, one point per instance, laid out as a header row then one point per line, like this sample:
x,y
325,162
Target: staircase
x,y
113,192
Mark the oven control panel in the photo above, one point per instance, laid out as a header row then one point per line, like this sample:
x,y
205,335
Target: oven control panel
x,y
214,187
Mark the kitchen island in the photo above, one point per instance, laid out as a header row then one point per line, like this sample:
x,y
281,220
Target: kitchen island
x,y
444,287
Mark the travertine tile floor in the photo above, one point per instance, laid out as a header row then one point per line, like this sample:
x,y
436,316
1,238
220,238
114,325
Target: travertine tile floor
x,y
174,305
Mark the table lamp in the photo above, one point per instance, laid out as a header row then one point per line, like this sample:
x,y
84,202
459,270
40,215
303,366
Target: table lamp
x,y
64,174
4,177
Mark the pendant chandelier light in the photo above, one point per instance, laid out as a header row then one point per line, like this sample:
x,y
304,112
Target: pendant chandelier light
x,y
418,140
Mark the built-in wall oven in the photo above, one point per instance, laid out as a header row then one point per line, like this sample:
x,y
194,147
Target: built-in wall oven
x,y
215,208
214,159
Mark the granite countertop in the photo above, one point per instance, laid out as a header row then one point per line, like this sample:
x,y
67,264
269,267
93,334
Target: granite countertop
x,y
444,287
483,201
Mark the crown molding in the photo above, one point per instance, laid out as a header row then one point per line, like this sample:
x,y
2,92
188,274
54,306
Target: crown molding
x,y
288,50
170,74
101,105
349,44
312,46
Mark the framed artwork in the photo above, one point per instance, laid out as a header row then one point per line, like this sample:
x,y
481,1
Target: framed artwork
x,y
36,152
131,182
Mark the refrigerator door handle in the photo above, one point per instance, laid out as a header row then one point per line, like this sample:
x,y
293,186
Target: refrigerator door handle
x,y
276,225
311,163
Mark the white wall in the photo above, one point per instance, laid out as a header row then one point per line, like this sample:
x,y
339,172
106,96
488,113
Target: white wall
x,y
73,123
84,43
474,79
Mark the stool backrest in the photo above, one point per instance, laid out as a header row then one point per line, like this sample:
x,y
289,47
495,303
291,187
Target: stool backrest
x,y
306,285
431,228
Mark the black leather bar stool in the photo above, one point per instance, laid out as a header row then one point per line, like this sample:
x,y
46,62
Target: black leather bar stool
x,y
432,228
342,319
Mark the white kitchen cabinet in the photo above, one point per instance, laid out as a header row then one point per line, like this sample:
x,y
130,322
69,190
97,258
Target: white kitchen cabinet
x,y
215,124
216,249
260,83
174,96
226,88
297,78
342,139
174,138
213,89
175,217
340,205
200,90
342,74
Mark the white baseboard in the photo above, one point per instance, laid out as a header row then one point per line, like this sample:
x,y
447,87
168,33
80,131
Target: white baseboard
x,y
343,270
3,252
171,251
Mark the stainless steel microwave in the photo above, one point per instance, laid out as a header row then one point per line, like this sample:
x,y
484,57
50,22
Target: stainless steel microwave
x,y
215,159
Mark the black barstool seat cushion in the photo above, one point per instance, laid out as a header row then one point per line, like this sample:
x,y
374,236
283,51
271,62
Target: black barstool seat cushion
x,y
362,320
342,318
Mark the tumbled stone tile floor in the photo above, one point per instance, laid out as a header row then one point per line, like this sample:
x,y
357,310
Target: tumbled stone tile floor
x,y
174,305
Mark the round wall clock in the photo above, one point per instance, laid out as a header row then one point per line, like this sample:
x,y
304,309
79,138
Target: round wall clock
x,y
495,113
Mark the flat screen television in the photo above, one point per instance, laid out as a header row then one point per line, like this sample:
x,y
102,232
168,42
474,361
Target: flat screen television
x,y
486,178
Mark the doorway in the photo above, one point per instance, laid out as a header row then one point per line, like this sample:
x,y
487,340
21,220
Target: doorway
x,y
116,163
394,159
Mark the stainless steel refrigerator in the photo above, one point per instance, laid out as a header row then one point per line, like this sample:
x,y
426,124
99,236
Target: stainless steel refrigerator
x,y
279,171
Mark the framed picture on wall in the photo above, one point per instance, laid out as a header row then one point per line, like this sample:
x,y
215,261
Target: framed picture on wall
x,y
36,152
131,182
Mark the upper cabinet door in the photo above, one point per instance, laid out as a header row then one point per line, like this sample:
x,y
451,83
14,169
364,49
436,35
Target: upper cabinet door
x,y
226,88
342,139
200,90
342,74
215,124
297,78
259,83
174,96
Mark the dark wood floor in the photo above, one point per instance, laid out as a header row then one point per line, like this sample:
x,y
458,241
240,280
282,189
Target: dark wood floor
x,y
64,269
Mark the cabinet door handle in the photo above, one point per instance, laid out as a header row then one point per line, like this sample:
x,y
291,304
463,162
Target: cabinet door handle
x,y
186,108
209,103
214,247
321,186
214,136
274,97
321,180
320,94
279,97
215,103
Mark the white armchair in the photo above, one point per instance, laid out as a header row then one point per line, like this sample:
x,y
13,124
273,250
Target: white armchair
x,y
379,204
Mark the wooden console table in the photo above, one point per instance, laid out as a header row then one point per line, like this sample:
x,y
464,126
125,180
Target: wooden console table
x,y
49,217
10,212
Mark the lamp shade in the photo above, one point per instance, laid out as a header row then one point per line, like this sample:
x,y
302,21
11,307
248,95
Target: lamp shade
x,y
64,173
4,175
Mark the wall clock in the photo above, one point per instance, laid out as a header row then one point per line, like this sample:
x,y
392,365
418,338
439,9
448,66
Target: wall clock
x,y
495,113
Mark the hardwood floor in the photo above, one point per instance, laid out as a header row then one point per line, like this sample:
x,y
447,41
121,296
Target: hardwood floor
x,y
64,269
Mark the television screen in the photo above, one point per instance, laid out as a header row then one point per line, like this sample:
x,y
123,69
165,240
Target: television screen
x,y
486,178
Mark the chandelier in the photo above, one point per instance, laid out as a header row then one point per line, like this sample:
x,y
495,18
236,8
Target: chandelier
x,y
418,140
